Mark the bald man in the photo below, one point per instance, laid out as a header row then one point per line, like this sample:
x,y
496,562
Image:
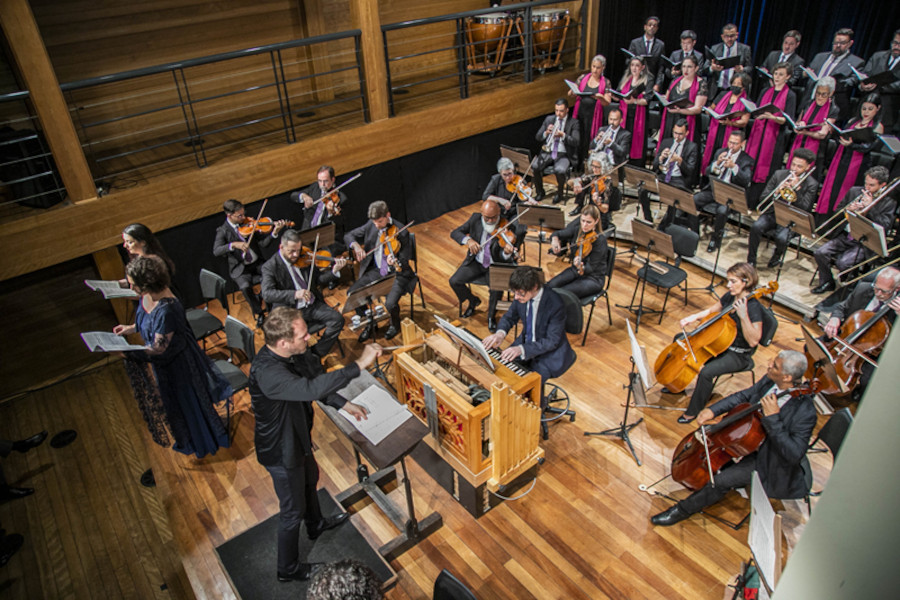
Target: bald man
x,y
482,252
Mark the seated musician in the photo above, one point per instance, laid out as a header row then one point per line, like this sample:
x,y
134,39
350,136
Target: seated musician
x,y
741,280
559,135
612,140
843,251
731,165
586,275
788,423
803,160
485,249
286,284
872,297
377,259
317,213
600,188
498,190
244,253
676,163
542,346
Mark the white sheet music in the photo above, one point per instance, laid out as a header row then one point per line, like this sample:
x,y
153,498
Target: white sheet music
x,y
110,289
107,341
466,337
385,414
761,537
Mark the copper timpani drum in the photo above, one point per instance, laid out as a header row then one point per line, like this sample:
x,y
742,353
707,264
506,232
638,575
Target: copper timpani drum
x,y
487,36
549,27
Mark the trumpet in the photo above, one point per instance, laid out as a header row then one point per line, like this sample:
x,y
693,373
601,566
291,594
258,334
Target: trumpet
x,y
606,137
843,212
716,168
784,191
549,139
667,164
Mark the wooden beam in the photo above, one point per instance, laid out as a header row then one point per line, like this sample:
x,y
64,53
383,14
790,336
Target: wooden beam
x,y
592,23
27,47
365,18
314,24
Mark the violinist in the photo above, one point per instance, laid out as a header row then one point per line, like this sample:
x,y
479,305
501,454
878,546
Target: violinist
x,y
316,213
381,249
843,251
599,187
483,251
508,189
585,244
741,280
788,422
286,281
804,190
244,253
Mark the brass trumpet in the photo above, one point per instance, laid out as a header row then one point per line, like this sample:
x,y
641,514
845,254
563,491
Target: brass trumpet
x,y
783,192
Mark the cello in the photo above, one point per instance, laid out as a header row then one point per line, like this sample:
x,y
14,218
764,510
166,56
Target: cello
x,y
680,362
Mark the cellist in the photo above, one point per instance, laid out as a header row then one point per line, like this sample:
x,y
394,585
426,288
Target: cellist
x,y
741,280
788,423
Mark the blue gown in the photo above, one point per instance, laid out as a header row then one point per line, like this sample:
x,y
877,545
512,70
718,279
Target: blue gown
x,y
187,385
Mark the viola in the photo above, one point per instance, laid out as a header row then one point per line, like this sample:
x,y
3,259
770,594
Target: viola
x,y
262,225
506,238
680,362
517,187
738,434
322,259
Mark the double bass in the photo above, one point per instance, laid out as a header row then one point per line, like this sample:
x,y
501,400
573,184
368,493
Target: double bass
x,y
680,362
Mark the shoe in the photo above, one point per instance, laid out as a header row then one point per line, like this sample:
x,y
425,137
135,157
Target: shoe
x,y
492,324
712,246
9,545
473,304
539,196
303,572
260,319
684,419
558,199
751,262
326,524
27,444
774,262
367,334
669,517
391,332
828,286
14,493
147,478
575,211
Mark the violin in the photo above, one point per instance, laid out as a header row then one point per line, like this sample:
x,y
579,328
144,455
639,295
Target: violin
x,y
680,362
262,225
600,186
517,187
585,245
390,245
322,259
738,434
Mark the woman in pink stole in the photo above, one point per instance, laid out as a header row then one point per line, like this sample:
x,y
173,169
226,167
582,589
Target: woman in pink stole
x,y
821,109
634,109
728,101
589,109
769,135
689,86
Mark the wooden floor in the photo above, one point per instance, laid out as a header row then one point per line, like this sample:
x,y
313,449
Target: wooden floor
x,y
583,531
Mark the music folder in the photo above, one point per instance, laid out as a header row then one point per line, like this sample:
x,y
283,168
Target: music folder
x,y
632,93
796,127
727,62
760,110
881,78
860,135
727,115
576,91
680,103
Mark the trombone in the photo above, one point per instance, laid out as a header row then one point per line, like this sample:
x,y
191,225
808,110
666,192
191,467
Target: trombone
x,y
890,251
843,212
785,193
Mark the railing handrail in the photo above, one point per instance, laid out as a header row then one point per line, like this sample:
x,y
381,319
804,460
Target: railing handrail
x,y
204,60
468,13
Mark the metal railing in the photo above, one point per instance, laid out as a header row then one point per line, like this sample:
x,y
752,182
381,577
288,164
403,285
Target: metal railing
x,y
450,54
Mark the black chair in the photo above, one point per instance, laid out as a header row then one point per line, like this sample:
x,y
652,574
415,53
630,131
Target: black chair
x,y
203,324
448,587
769,327
238,337
832,435
414,259
592,300
557,395
684,242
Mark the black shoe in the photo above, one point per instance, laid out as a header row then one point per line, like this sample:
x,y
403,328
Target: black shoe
x,y
575,211
9,545
539,196
558,199
391,332
473,304
751,262
492,324
669,517
260,319
27,444
303,572
326,524
14,493
774,262
685,419
147,478
367,334
828,286
713,244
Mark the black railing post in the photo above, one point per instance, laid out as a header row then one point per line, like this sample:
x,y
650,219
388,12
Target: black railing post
x,y
361,77
528,47
461,60
194,138
284,104
387,66
582,64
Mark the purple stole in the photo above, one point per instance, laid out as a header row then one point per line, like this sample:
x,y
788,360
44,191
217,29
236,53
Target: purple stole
x,y
810,117
761,144
597,122
691,119
721,107
822,206
640,123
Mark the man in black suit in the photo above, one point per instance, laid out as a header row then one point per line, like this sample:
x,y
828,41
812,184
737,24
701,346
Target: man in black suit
x,y
719,77
376,261
483,252
788,423
803,159
244,257
677,164
316,213
843,251
285,284
285,380
836,64
613,139
542,345
788,54
688,41
497,190
731,165
651,49
559,135
887,60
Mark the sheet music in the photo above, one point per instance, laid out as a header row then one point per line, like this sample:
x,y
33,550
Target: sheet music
x,y
110,289
107,341
467,338
761,537
575,89
385,414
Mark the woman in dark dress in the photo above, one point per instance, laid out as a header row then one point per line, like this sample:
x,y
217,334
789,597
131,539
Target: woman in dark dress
x,y
822,110
689,86
181,392
138,240
726,102
634,109
589,109
591,263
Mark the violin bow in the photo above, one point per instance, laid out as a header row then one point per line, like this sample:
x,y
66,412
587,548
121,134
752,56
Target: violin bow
x,y
335,190
312,261
255,225
380,244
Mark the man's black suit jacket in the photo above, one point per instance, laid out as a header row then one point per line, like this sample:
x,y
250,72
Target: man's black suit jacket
x,y
621,144
550,347
638,46
689,165
745,164
843,77
366,235
772,60
474,228
858,299
225,235
571,139
881,213
806,194
877,63
277,286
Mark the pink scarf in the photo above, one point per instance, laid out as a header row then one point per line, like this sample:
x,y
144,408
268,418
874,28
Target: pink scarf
x,y
809,117
640,122
824,205
691,119
761,144
721,107
597,122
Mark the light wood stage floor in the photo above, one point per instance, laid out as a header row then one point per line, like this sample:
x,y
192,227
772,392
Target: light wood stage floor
x,y
582,532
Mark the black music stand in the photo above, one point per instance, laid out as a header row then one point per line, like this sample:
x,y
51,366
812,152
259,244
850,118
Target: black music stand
x,y
731,197
641,179
797,221
520,157
325,233
365,296
869,234
541,216
645,235
677,198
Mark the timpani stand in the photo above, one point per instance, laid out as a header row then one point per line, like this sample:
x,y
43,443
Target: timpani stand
x,y
487,37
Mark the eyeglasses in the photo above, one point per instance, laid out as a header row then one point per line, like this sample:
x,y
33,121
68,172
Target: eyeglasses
x,y
881,291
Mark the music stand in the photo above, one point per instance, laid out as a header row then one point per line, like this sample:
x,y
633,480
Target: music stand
x,y
797,221
677,198
869,234
365,296
645,235
822,357
732,197
640,179
636,380
541,216
324,232
520,157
